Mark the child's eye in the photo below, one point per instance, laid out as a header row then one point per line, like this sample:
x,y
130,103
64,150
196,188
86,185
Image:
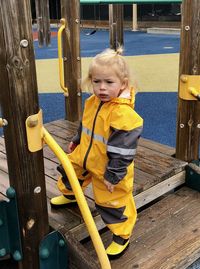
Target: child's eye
x,y
109,81
95,81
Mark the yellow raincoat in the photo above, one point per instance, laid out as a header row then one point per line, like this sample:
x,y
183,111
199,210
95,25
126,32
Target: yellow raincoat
x,y
106,145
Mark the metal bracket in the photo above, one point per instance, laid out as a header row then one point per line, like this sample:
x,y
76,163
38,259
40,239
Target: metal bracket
x,y
53,252
189,87
10,242
193,175
34,124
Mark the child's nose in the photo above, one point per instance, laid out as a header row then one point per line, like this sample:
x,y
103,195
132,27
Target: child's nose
x,y
102,86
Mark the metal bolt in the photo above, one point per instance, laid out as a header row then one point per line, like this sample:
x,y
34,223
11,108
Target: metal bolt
x,y
32,122
3,122
76,20
198,125
2,252
64,59
24,43
78,94
10,193
78,58
187,28
17,256
44,253
184,79
30,224
61,243
182,125
37,189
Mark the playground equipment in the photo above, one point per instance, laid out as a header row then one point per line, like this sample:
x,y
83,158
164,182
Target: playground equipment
x,y
19,100
36,133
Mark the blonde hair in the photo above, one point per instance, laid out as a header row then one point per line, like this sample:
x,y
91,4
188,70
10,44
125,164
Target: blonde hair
x,y
111,58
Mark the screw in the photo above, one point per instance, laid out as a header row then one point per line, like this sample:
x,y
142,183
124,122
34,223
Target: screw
x,y
17,255
187,28
24,43
61,243
198,125
2,252
10,193
182,125
37,189
44,253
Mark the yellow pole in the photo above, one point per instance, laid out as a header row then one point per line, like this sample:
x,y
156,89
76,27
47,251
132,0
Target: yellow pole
x,y
96,239
60,58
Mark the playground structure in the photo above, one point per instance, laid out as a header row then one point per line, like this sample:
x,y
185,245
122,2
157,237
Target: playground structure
x,y
26,171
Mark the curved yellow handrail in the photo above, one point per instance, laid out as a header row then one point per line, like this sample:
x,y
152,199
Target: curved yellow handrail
x,y
195,92
96,239
60,58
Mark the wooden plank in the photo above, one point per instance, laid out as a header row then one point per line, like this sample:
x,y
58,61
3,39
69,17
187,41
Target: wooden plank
x,y
141,199
146,143
160,189
79,257
166,236
156,163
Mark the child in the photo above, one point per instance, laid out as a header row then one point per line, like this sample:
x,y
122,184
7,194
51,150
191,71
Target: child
x,y
105,146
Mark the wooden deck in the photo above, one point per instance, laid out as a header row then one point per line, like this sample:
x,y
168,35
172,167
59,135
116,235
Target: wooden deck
x,y
157,174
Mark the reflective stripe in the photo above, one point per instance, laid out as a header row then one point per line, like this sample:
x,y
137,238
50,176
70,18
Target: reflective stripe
x,y
121,151
95,136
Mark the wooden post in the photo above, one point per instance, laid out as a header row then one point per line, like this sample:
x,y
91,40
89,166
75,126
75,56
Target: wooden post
x,y
19,99
43,22
70,11
116,16
135,23
188,114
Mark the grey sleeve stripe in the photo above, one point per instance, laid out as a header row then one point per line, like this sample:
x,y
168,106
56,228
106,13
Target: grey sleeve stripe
x,y
121,151
95,136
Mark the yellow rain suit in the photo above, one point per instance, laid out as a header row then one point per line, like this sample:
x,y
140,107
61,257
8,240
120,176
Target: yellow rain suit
x,y
106,145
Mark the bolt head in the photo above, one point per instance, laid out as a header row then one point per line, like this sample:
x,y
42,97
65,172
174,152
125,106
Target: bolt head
x,y
10,193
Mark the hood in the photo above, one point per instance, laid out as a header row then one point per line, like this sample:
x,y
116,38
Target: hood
x,y
126,97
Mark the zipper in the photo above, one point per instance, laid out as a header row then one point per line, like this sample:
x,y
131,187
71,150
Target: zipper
x,y
92,135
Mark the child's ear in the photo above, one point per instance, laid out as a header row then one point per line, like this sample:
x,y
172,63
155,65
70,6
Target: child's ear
x,y
124,84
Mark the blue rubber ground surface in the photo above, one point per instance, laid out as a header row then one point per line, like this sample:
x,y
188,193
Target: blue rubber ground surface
x,y
136,43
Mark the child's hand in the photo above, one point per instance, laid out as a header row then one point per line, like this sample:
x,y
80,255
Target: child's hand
x,y
71,147
109,185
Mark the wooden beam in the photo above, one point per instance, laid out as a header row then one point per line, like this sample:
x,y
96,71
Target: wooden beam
x,y
188,115
70,11
19,99
116,16
43,22
134,20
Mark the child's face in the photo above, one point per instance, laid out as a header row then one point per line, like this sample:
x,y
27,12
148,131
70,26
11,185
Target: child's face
x,y
106,84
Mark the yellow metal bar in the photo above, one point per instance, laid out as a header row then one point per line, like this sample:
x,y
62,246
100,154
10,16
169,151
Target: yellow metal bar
x,y
96,239
195,92
60,58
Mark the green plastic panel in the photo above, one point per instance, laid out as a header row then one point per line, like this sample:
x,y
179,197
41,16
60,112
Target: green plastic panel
x,y
10,242
193,177
53,251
